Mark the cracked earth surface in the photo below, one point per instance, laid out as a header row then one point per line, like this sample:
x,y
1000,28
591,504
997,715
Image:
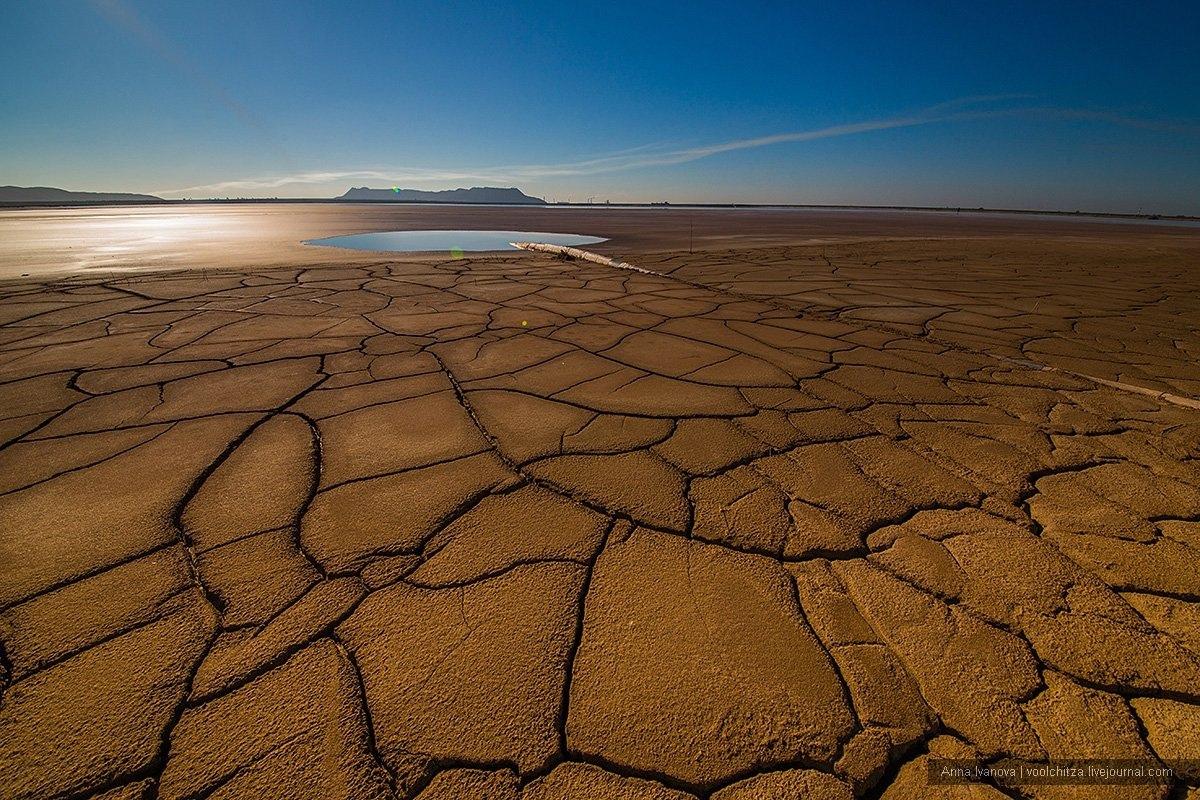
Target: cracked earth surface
x,y
777,522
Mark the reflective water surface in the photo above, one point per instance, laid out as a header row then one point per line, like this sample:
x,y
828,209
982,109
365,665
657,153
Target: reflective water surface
x,y
458,241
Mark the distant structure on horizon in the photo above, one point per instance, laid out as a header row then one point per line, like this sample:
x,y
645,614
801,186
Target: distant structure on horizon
x,y
48,194
476,194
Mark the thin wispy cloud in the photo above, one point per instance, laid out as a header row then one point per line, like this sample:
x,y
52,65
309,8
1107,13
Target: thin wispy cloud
x,y
958,109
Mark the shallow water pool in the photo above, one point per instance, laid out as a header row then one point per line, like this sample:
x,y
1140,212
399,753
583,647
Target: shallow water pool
x,y
454,242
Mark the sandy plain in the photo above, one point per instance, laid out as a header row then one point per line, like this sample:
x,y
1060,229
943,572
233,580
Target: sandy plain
x,y
787,516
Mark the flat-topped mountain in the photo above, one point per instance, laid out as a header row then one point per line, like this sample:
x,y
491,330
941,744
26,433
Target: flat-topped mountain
x,y
48,194
476,194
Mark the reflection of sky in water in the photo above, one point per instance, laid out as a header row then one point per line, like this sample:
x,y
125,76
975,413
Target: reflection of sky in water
x,y
456,242
45,240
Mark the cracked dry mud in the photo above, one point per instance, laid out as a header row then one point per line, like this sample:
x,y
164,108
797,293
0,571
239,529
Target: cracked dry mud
x,y
778,522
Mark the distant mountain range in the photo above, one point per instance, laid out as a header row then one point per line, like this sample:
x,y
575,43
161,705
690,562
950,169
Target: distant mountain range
x,y
476,194
47,194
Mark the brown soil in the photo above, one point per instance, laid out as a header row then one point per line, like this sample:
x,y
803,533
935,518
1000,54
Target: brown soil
x,y
777,521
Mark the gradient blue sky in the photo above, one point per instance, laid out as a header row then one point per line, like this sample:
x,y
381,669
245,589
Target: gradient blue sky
x,y
1035,105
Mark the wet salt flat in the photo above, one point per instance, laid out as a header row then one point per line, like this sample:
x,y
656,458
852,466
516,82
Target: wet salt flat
x,y
453,241
59,241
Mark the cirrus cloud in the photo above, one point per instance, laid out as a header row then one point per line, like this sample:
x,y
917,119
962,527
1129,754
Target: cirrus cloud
x,y
959,109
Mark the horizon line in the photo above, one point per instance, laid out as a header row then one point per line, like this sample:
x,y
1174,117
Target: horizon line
x,y
654,205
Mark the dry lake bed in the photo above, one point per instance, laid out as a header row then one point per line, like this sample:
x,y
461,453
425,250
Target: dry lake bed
x,y
792,514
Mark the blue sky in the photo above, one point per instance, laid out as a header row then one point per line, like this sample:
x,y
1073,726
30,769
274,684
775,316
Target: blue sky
x,y
1040,105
